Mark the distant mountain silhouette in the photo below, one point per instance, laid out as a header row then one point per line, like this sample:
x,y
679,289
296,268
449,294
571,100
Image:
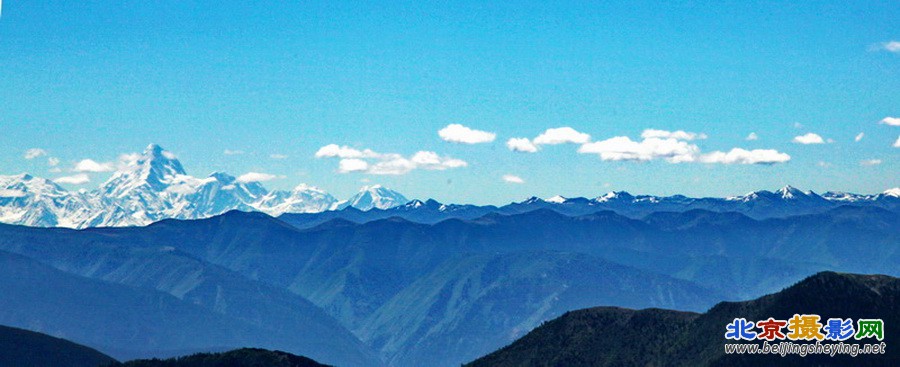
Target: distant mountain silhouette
x,y
247,357
785,202
609,336
20,347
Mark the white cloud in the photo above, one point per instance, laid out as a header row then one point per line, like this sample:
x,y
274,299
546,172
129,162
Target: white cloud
x,y
678,135
90,165
454,163
675,149
78,179
55,170
521,145
823,164
870,162
126,158
456,133
278,156
34,153
622,148
396,166
897,143
233,152
52,161
892,121
561,135
352,165
859,137
743,156
513,179
890,46
399,165
335,151
752,136
431,161
426,158
809,138
371,162
256,177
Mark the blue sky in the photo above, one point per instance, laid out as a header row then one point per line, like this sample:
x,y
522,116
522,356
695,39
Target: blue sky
x,y
93,79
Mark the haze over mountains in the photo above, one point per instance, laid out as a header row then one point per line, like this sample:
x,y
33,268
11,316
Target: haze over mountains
x,y
152,186
404,293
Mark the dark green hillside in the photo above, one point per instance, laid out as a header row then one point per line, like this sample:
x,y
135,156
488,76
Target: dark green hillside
x,y
247,357
606,336
601,336
20,347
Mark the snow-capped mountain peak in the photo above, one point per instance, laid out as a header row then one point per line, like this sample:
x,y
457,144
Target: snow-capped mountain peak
x,y
787,192
533,200
154,169
415,204
35,201
844,196
302,199
24,184
614,196
153,185
374,197
790,192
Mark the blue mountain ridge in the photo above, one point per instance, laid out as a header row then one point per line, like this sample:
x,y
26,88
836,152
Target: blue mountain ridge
x,y
428,293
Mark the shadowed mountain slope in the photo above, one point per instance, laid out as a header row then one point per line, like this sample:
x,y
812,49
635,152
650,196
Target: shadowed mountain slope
x,y
19,347
608,336
246,357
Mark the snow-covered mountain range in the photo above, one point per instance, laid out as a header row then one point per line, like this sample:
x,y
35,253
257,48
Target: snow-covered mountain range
x,y
153,186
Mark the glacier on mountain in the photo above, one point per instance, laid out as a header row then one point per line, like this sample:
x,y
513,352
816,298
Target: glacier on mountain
x,y
152,186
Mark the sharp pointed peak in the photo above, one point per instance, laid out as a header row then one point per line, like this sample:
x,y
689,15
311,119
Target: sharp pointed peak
x,y
789,192
415,203
612,195
156,167
789,188
155,152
